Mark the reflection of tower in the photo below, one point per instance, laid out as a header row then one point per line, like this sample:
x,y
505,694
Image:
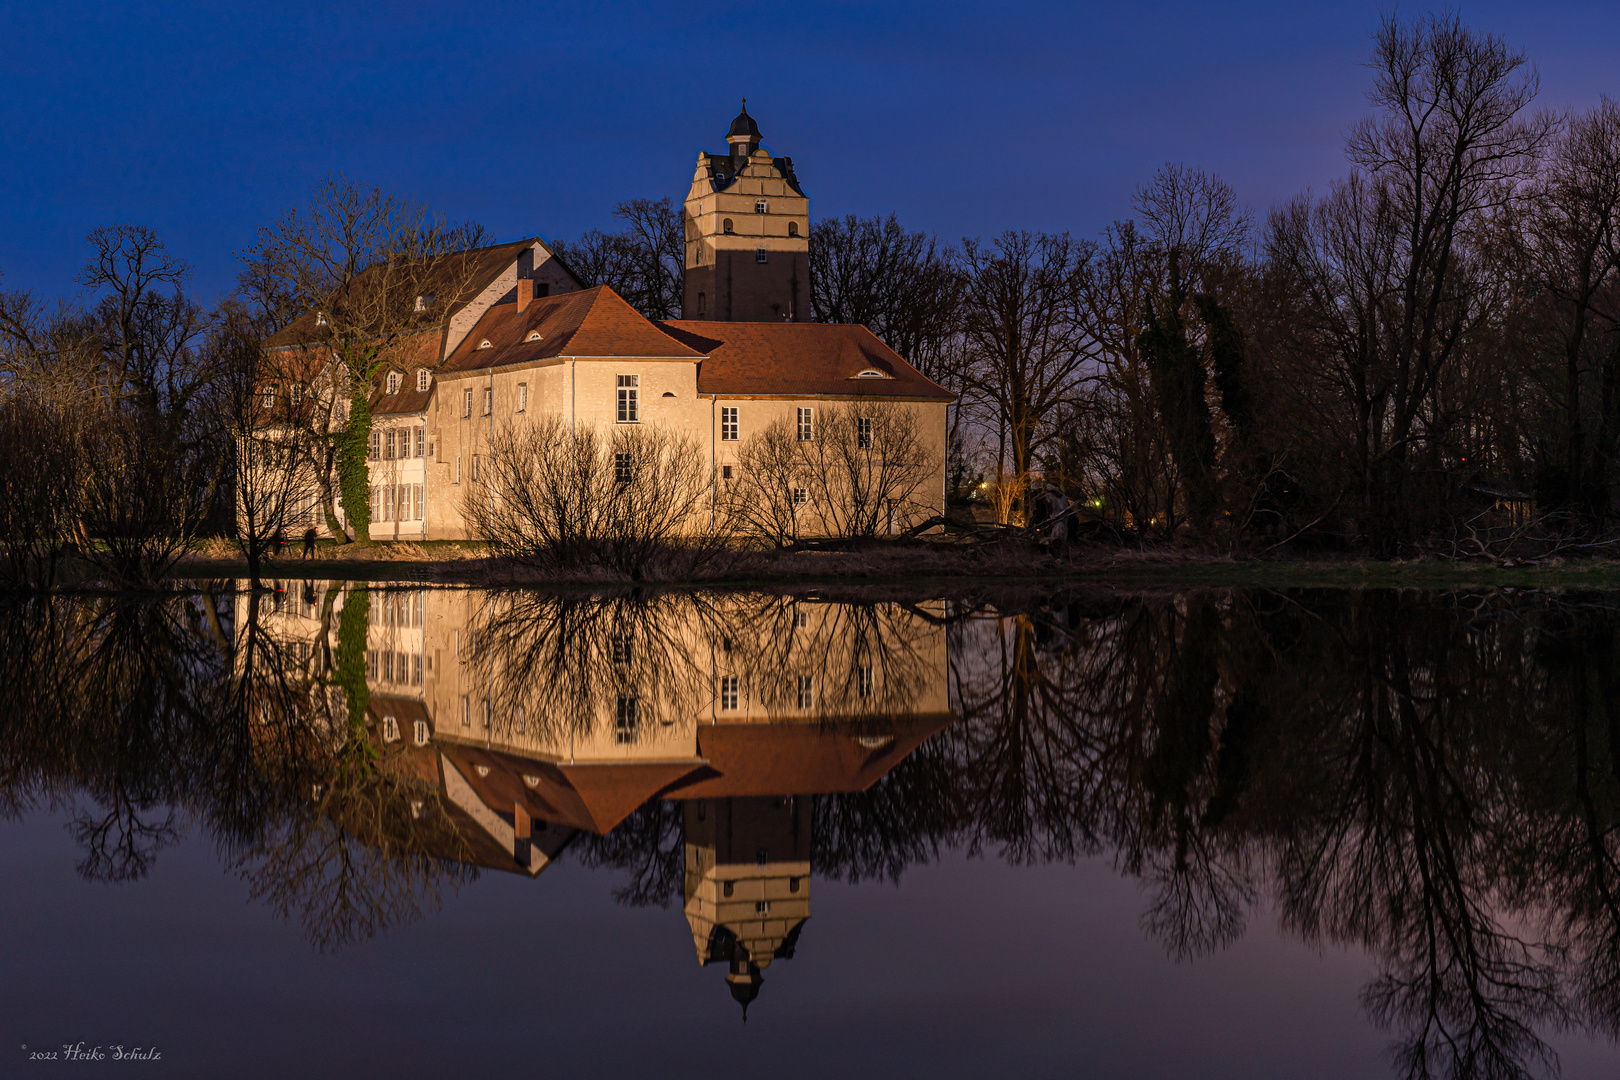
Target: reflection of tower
x,y
747,884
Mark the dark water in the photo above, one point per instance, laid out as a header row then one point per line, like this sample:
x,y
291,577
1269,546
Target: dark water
x,y
343,830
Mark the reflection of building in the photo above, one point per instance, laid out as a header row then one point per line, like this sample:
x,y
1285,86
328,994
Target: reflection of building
x,y
537,719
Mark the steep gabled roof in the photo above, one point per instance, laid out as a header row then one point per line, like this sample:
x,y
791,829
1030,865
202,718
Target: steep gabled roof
x,y
467,272
800,359
594,322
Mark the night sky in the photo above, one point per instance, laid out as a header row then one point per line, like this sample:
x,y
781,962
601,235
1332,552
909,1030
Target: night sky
x,y
202,120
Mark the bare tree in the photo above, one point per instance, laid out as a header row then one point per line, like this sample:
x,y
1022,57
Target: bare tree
x,y
1393,283
645,263
373,267
866,469
1026,348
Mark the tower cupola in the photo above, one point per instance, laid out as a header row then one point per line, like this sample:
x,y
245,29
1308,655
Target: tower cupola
x,y
744,134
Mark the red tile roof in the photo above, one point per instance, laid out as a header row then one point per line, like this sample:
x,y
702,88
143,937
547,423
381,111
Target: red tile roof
x,y
593,322
799,359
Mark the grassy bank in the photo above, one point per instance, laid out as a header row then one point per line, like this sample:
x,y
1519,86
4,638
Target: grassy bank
x,y
927,563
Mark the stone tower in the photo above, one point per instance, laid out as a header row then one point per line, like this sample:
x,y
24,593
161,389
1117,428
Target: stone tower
x,y
747,234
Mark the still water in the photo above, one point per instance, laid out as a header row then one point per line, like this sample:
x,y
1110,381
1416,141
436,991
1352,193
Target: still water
x,y
343,829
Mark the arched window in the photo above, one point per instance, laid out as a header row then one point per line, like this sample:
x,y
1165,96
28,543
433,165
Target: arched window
x,y
484,344
726,226
793,228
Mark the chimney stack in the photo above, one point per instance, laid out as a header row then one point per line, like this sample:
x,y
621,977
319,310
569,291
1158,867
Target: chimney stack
x,y
525,293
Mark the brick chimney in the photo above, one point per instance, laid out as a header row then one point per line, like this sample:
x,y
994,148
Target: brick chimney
x,y
525,293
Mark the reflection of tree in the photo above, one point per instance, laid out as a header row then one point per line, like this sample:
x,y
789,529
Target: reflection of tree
x,y
145,711
1431,778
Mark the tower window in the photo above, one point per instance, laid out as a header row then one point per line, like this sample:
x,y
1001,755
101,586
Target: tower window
x,y
793,228
702,300
726,227
762,206
760,255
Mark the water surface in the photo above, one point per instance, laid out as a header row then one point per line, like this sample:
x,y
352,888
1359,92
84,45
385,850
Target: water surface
x,y
345,828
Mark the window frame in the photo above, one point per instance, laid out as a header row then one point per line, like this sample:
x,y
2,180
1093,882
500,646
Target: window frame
x,y
728,423
628,399
807,424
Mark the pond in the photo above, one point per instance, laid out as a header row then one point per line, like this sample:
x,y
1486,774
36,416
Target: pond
x,y
348,828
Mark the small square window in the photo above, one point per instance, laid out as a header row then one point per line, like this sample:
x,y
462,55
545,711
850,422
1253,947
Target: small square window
x,y
801,496
761,255
761,206
725,472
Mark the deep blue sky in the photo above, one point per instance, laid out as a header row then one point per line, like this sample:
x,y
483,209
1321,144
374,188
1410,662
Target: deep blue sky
x,y
204,119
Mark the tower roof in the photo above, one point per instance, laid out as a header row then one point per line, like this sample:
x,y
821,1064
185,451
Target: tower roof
x,y
744,124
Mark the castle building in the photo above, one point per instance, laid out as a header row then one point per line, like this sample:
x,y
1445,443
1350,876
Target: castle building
x,y
747,234
518,340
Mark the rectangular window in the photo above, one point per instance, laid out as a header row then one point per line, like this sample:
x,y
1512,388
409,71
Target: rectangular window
x,y
475,469
421,379
863,432
800,496
863,681
801,618
390,729
760,255
269,397
626,719
371,663
807,691
761,206
416,491
416,669
728,424
421,442
388,446
728,692
466,403
458,468
489,715
523,397
629,399
420,731
387,667
622,649
376,515
466,711
394,378
489,400
623,468
376,445
807,425
725,472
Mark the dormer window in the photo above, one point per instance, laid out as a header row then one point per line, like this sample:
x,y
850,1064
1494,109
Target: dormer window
x,y
320,318
534,335
484,344
422,379
871,373
424,302
762,206
394,379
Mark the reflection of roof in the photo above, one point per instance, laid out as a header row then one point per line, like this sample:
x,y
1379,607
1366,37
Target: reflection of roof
x,y
593,796
592,322
800,758
821,359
